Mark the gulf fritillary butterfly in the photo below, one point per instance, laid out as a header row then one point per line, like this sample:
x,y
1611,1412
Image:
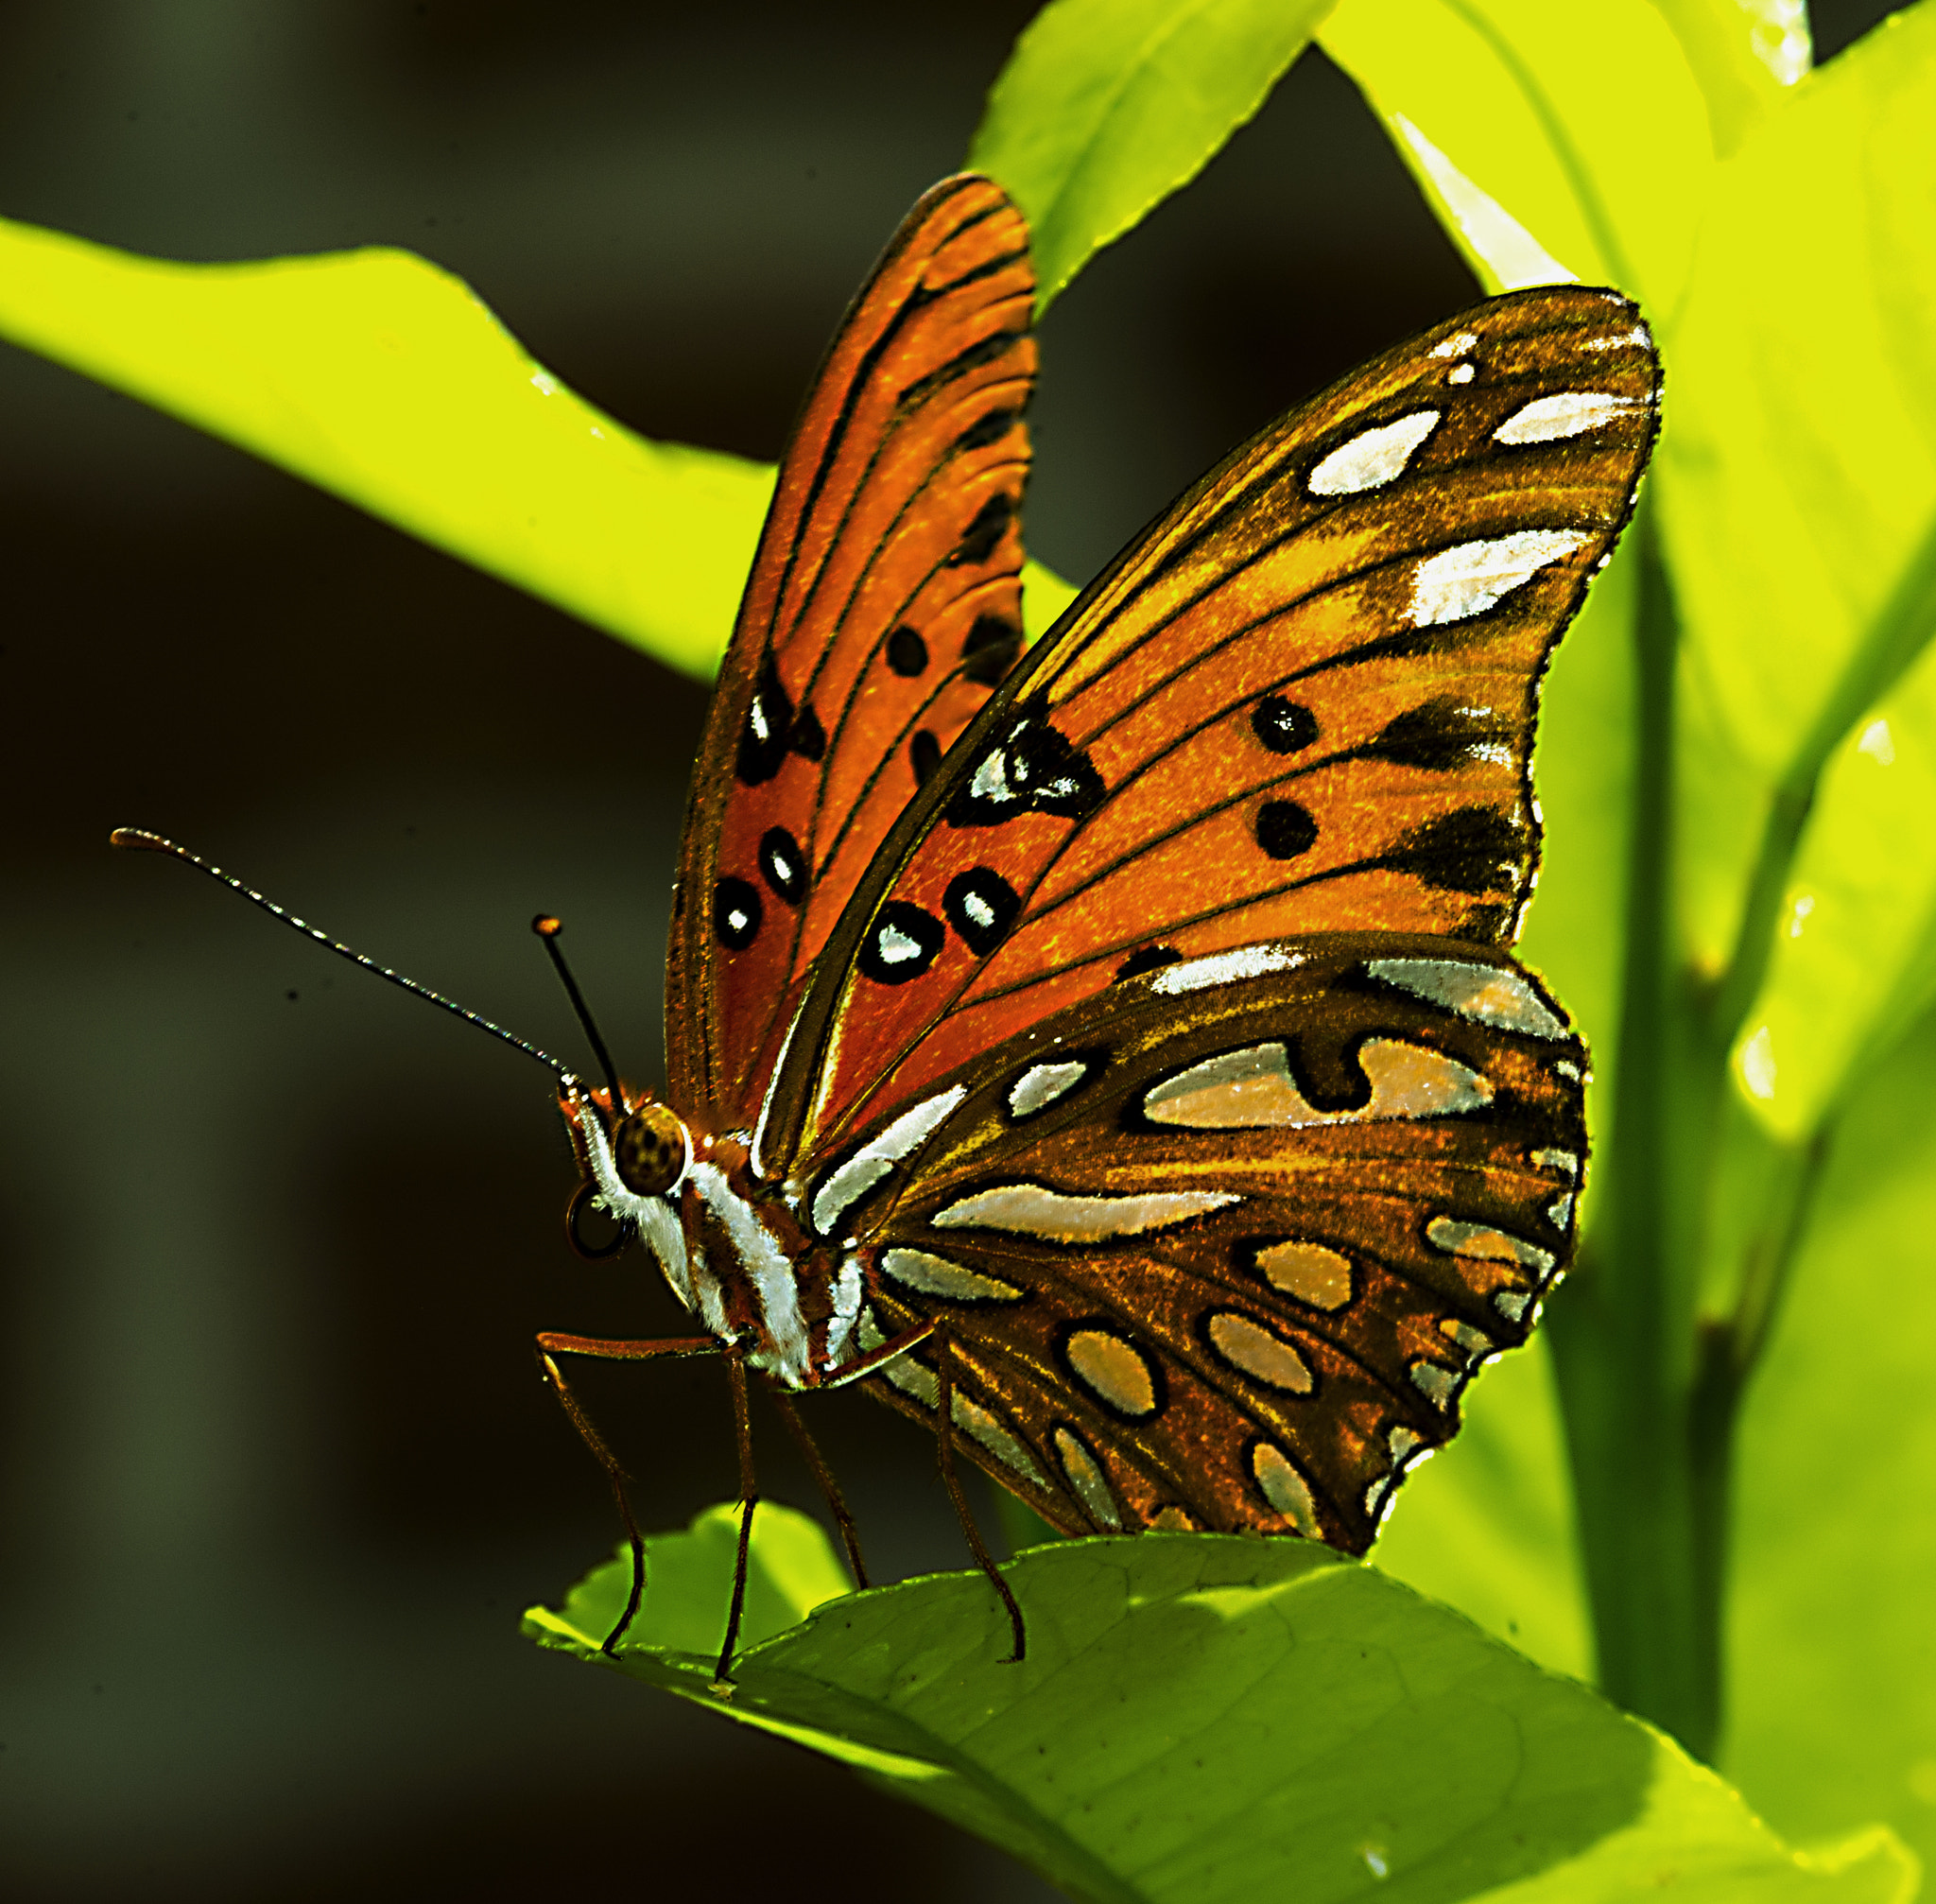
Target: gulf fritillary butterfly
x,y
1109,1055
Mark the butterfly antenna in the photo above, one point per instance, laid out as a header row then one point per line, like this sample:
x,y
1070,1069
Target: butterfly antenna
x,y
133,838
547,929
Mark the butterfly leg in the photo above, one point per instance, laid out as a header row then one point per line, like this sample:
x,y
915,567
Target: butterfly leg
x,y
944,1406
830,1488
749,1499
549,1348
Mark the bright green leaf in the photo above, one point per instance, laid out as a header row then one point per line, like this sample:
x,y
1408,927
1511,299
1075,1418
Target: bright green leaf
x,y
385,380
1832,1656
1107,107
1583,123
1204,1718
1861,910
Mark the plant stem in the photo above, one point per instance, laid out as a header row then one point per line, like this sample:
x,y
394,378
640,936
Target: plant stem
x,y
1621,1329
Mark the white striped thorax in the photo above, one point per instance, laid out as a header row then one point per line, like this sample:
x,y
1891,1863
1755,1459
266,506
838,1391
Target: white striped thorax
x,y
728,1242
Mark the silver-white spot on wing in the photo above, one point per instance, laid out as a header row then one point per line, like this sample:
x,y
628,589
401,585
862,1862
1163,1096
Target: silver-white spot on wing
x,y
1567,1162
1113,1370
1252,1089
1639,338
1455,346
1476,1342
1373,458
847,1184
1286,1490
1459,373
1402,1442
1568,1070
1086,1478
1224,968
1490,1245
1490,994
1438,1386
1040,1085
1034,1210
1312,1272
1571,413
933,1275
1469,578
1559,1211
1512,1303
972,1418
1251,1349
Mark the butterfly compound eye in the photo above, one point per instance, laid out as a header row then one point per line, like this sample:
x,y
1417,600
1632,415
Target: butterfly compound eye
x,y
649,1150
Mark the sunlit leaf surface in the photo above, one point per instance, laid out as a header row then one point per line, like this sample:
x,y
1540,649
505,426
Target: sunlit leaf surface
x,y
1108,106
1204,1717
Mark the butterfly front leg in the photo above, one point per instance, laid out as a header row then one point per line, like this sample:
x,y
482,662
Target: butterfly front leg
x,y
550,1346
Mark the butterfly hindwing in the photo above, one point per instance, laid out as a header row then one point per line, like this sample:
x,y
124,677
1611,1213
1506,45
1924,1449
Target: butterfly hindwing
x,y
1303,701
1220,1247
884,603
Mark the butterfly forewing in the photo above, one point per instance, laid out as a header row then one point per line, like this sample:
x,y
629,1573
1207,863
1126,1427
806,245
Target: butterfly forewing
x,y
1303,702
884,603
1220,1247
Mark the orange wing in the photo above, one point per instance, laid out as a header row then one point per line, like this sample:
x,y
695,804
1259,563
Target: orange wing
x,y
1303,702
884,602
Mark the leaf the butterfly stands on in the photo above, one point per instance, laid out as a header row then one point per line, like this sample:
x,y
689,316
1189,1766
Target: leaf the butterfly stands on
x,y
1112,1055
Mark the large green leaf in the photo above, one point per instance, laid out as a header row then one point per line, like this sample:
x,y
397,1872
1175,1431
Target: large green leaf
x,y
1204,1718
387,381
1799,490
1585,124
1832,1661
1107,107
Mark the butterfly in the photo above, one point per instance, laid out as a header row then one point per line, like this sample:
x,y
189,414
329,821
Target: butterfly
x,y
1110,1054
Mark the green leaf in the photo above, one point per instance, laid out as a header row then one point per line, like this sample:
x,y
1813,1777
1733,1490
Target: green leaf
x,y
1798,485
1741,53
1833,1695
1106,107
385,380
1585,123
1204,1717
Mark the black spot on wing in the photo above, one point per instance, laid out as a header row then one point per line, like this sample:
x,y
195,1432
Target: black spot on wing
x,y
1031,767
1281,725
737,911
907,652
1440,735
991,650
979,539
902,943
985,430
1149,959
783,865
924,756
769,727
1285,829
984,351
981,905
808,738
1476,848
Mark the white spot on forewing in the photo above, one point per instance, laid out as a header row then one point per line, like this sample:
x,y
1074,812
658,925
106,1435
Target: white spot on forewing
x,y
1373,458
1224,968
1455,346
1491,994
1032,1210
878,1156
1459,373
935,1276
1639,338
1087,1478
1570,413
769,1269
1252,1089
1040,1085
1286,1490
1468,579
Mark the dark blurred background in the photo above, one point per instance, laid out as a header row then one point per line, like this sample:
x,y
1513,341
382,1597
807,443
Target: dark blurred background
x,y
278,1473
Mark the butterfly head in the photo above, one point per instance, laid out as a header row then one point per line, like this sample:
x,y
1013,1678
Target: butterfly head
x,y
634,1162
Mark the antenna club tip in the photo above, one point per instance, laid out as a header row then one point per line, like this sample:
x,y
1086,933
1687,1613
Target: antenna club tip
x,y
545,926
138,839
